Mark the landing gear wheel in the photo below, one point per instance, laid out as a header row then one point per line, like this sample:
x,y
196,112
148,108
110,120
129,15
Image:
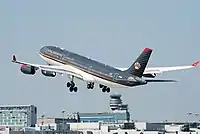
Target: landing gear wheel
x,y
90,85
75,89
71,89
68,84
108,89
103,89
101,86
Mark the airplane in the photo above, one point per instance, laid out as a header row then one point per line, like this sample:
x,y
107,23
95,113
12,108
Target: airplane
x,y
62,61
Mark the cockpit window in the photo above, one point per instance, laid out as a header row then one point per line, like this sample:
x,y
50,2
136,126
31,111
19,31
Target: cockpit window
x,y
43,49
53,51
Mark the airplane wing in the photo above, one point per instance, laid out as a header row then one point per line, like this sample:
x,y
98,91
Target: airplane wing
x,y
153,71
58,69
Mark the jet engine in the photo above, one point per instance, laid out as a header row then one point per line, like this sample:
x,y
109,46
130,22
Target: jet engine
x,y
26,69
48,73
149,75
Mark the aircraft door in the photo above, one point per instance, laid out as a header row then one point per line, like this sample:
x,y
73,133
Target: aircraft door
x,y
115,76
90,68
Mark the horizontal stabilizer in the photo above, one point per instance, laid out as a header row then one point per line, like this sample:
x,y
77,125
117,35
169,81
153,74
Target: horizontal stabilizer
x,y
160,80
195,63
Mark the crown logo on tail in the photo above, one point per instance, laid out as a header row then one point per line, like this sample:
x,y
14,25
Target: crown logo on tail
x,y
137,65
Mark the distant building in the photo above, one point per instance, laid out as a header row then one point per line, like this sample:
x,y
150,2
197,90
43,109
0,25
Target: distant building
x,y
18,115
104,117
58,124
119,112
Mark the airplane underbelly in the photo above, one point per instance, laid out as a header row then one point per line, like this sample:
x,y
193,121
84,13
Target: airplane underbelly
x,y
105,82
91,78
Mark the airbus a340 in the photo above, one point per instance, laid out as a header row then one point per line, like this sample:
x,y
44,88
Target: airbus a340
x,y
61,61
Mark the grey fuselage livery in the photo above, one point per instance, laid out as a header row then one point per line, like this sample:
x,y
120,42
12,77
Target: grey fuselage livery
x,y
95,68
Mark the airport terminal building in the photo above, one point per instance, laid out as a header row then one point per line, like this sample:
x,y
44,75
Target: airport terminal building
x,y
119,112
103,117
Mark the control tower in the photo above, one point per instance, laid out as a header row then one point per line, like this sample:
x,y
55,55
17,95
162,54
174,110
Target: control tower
x,y
116,103
117,106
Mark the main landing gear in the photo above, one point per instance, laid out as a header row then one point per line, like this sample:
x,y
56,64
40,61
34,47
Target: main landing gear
x,y
90,85
72,87
104,88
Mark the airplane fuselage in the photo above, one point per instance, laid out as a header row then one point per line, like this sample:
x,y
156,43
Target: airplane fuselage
x,y
93,71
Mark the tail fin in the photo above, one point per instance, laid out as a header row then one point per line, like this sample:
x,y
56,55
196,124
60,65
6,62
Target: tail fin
x,y
138,67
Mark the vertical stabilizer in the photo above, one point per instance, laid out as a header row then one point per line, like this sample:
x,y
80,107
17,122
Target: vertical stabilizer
x,y
138,67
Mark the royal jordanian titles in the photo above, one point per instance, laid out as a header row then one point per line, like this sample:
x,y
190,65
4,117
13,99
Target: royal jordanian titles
x,y
94,73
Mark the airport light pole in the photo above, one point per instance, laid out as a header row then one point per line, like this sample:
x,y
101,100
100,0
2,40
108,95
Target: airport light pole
x,y
42,122
63,113
77,120
196,114
190,114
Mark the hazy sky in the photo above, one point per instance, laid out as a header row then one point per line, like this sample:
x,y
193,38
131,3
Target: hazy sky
x,y
113,32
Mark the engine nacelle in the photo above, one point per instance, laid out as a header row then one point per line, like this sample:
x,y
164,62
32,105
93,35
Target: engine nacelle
x,y
26,69
149,75
48,73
